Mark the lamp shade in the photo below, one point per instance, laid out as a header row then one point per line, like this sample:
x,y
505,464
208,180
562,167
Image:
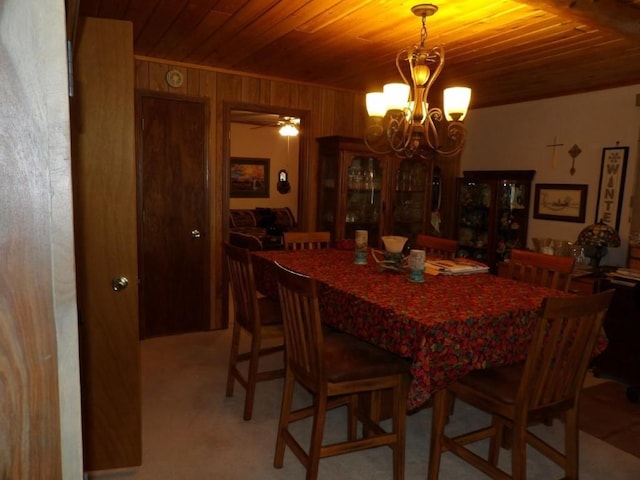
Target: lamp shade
x,y
376,104
456,103
396,95
599,235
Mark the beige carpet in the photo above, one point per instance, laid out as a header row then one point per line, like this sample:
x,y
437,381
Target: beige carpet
x,y
606,413
192,431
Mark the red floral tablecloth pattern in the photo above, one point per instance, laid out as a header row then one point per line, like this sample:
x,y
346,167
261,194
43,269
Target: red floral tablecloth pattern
x,y
447,326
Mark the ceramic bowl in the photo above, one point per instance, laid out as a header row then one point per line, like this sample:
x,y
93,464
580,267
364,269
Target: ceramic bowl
x,y
394,243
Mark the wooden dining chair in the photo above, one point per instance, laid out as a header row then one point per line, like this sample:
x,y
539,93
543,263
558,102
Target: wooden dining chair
x,y
437,247
306,240
336,369
552,271
258,317
548,384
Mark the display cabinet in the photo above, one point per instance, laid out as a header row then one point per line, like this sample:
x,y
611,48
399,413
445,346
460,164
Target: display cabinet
x,y
383,194
493,213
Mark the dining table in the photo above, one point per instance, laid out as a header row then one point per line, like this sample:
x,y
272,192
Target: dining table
x,y
445,326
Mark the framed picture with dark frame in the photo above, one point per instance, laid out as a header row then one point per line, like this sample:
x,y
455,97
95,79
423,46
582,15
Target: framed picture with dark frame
x,y
249,177
560,202
611,187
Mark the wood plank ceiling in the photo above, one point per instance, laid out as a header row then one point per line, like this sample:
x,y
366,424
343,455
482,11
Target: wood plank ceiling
x,y
506,51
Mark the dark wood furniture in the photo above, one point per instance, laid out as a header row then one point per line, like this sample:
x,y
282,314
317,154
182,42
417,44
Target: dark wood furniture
x,y
260,318
517,395
437,246
493,213
551,271
336,369
383,194
621,358
299,240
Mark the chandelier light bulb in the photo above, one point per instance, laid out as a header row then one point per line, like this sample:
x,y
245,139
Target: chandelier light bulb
x,y
456,103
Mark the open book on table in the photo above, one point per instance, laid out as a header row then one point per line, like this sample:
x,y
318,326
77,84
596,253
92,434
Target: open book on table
x,y
458,266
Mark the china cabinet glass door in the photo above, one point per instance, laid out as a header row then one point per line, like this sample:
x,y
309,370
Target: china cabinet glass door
x,y
410,204
363,196
493,213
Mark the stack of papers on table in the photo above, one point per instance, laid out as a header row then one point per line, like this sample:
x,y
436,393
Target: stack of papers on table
x,y
625,276
459,266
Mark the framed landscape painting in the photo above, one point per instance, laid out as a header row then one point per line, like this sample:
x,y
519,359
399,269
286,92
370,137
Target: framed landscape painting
x,y
249,177
561,202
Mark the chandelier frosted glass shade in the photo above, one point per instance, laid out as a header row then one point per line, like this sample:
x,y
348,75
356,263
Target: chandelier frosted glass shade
x,y
401,120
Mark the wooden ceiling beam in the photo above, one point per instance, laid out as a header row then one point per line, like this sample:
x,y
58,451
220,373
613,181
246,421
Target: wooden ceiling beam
x,y
618,16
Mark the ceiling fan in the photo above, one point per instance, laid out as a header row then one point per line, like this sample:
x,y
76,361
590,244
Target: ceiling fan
x,y
288,126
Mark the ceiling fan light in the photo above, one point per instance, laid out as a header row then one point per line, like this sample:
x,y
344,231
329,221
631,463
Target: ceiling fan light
x,y
396,95
288,130
456,103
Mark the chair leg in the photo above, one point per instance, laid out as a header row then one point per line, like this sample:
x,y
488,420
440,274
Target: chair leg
x,y
399,427
519,451
571,444
317,431
352,417
252,375
285,412
440,407
233,358
496,440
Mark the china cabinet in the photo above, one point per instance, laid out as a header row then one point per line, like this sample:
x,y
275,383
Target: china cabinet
x,y
493,213
383,194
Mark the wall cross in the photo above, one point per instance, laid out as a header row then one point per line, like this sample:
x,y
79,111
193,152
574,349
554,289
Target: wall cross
x,y
553,151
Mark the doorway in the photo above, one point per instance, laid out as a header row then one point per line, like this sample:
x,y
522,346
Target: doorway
x,y
173,214
247,126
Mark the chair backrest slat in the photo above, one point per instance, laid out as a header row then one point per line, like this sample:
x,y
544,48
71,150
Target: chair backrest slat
x,y
306,240
560,350
243,289
437,247
551,271
302,327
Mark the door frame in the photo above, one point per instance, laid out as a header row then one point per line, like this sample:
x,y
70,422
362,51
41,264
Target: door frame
x,y
139,94
304,175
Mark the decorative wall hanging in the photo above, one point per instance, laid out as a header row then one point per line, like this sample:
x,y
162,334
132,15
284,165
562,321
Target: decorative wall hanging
x,y
561,202
249,177
283,182
612,176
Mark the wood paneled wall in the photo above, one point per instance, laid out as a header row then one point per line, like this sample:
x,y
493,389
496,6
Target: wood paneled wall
x,y
332,112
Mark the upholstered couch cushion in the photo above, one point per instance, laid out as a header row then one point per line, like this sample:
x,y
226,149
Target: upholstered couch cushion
x,y
266,225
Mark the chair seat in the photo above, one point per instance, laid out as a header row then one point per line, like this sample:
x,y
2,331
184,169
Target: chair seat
x,y
498,384
346,359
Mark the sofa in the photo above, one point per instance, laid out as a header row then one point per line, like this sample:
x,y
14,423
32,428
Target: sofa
x,y
260,228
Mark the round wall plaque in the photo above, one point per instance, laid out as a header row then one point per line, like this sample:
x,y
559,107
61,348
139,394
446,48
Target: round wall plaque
x,y
174,78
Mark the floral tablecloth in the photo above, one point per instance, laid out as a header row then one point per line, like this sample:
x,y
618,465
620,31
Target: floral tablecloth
x,y
446,326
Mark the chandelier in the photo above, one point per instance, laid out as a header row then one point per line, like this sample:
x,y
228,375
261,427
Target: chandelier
x,y
402,120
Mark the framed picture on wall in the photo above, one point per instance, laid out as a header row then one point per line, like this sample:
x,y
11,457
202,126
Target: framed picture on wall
x,y
561,202
612,175
249,177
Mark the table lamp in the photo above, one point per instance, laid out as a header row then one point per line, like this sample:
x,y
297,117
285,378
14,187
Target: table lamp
x,y
599,236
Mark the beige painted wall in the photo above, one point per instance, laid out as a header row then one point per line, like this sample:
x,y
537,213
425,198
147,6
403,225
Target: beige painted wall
x,y
516,137
282,152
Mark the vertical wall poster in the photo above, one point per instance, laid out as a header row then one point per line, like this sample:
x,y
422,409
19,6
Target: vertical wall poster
x,y
612,175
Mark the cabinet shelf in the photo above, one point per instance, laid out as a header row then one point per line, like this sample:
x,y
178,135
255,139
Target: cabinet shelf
x,y
493,211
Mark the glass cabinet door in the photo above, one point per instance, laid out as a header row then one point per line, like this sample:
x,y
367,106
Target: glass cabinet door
x,y
511,218
473,220
363,199
409,206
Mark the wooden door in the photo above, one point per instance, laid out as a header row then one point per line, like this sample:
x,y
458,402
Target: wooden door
x,y
174,228
104,172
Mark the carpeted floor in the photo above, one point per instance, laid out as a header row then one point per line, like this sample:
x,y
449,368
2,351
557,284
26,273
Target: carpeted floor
x,y
192,431
606,414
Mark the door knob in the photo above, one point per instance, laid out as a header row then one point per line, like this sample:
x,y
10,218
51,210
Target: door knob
x,y
119,283
195,233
